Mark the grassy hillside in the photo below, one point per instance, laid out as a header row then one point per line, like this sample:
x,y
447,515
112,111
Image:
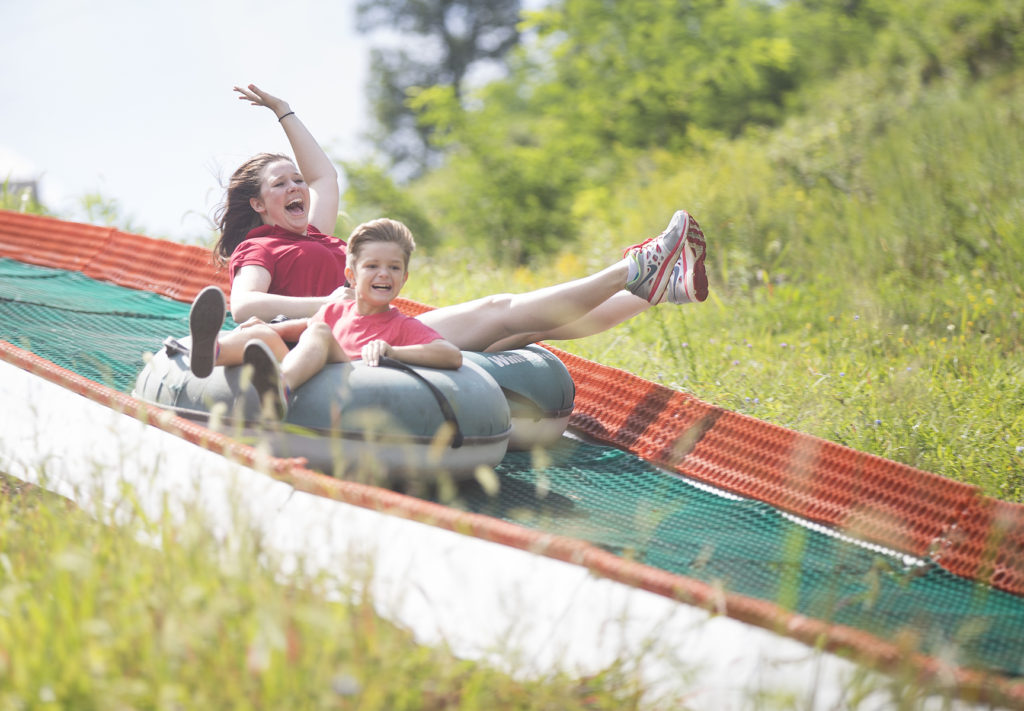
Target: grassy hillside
x,y
865,263
90,618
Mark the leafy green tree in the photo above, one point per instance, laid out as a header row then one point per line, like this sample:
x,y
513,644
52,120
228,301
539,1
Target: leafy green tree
x,y
598,86
912,40
642,72
441,41
510,176
601,81
373,193
943,38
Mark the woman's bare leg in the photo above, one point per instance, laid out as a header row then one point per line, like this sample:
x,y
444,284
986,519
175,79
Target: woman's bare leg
x,y
651,271
479,324
621,307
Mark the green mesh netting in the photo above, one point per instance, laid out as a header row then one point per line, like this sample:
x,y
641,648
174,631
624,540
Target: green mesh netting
x,y
594,493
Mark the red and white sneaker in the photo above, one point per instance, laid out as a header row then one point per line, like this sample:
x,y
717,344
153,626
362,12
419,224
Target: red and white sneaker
x,y
654,258
689,280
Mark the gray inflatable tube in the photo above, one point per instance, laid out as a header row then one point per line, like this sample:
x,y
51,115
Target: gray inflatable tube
x,y
360,422
539,391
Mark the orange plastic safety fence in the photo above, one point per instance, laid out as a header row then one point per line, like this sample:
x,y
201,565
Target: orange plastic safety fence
x,y
869,497
988,545
142,263
873,498
50,243
178,271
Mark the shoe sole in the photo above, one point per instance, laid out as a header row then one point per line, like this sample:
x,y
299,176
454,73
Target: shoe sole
x,y
700,280
664,275
696,288
266,377
204,322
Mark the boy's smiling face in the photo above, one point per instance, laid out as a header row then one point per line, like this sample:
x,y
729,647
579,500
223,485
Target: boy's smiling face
x,y
378,275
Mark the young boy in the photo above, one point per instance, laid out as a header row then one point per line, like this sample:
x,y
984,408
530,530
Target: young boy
x,y
367,327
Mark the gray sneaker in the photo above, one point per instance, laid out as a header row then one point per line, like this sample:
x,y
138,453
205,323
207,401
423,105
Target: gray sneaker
x,y
204,323
655,257
266,378
689,280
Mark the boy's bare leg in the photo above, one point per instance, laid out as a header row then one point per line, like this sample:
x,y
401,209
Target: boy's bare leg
x,y
316,347
273,379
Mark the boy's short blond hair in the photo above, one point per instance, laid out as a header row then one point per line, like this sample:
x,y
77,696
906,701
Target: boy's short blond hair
x,y
381,230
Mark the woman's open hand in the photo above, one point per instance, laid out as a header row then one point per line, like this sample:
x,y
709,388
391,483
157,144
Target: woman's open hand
x,y
257,97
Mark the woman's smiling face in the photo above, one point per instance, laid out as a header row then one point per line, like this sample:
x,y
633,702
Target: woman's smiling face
x,y
284,197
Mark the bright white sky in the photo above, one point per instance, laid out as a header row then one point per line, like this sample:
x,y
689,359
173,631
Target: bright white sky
x,y
133,100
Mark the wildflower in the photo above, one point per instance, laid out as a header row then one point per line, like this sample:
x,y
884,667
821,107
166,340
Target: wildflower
x,y
345,685
1020,448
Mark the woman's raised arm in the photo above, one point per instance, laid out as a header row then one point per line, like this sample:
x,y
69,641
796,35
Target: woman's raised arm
x,y
316,168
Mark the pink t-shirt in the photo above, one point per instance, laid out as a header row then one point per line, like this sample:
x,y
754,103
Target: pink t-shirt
x,y
353,330
300,265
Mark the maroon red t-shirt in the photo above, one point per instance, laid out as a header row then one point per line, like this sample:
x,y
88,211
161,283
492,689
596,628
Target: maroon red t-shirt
x,y
353,330
300,265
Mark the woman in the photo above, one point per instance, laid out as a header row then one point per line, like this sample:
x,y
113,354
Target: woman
x,y
281,264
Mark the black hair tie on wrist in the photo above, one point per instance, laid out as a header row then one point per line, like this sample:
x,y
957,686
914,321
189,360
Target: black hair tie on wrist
x,y
282,118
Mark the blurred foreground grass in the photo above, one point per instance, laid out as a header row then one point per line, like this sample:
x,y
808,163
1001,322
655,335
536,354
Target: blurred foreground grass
x,y
92,618
161,614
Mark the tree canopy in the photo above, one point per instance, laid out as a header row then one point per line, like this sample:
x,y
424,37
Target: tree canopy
x,y
594,85
441,40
